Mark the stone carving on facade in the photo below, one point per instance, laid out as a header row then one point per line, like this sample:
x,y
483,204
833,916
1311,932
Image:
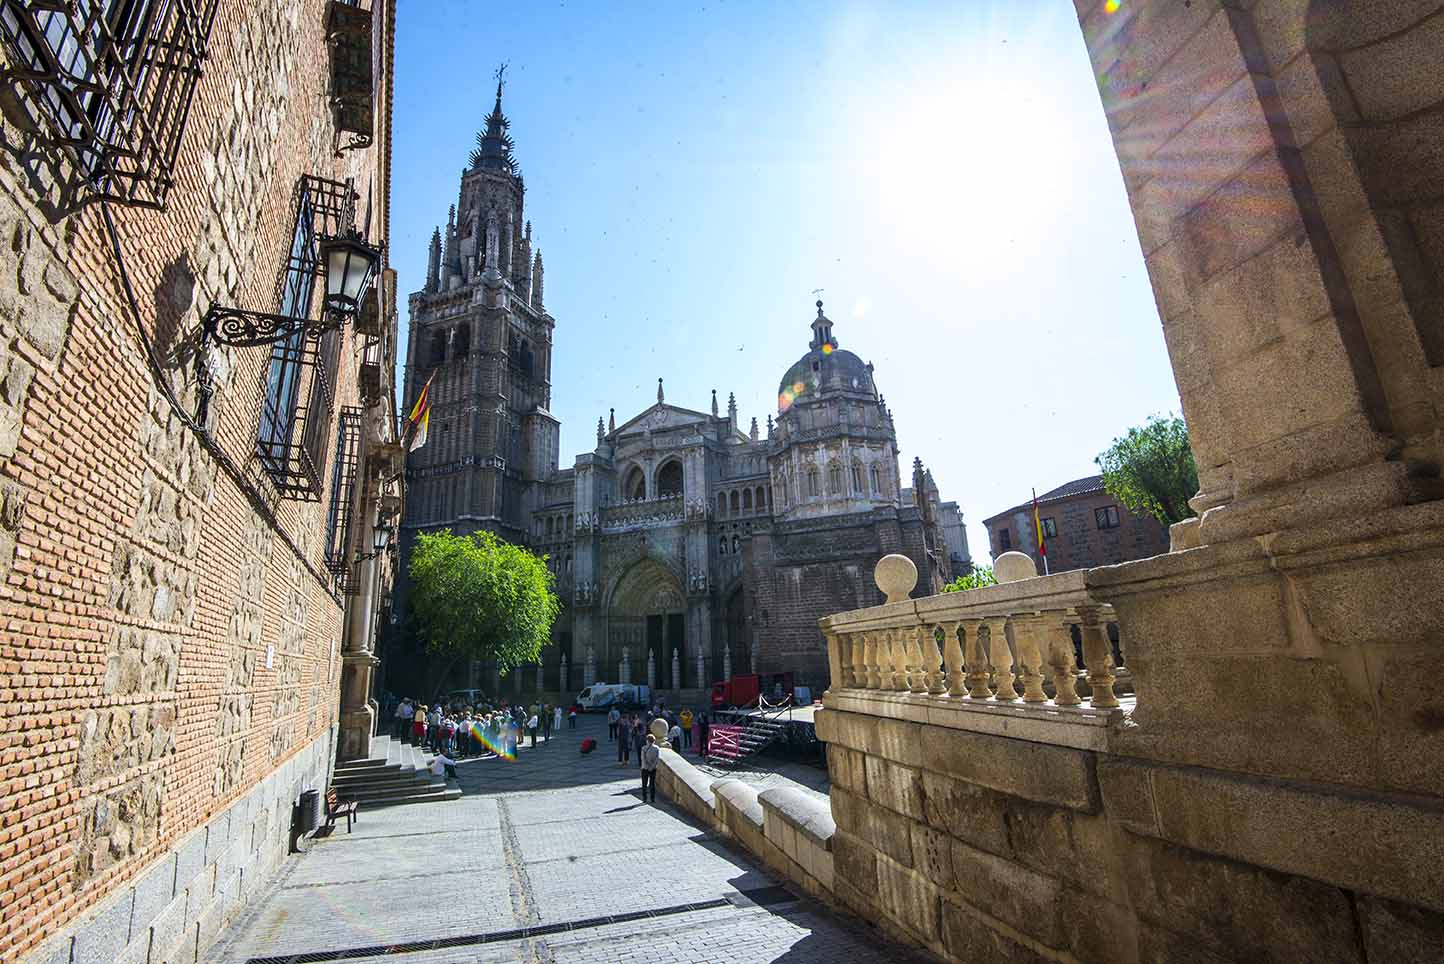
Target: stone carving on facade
x,y
652,669
698,581
676,669
585,594
624,674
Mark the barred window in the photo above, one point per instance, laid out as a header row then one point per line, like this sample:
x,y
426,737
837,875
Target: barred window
x,y
301,380
1106,517
343,495
109,83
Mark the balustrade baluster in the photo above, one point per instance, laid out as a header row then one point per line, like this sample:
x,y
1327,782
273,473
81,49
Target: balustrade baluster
x,y
976,661
1058,649
859,660
932,660
1026,628
874,678
1097,654
917,668
953,659
899,661
1000,658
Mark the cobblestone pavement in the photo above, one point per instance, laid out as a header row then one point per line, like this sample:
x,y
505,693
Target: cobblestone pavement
x,y
554,843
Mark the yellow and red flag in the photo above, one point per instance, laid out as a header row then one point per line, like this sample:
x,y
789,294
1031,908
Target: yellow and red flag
x,y
420,418
1038,527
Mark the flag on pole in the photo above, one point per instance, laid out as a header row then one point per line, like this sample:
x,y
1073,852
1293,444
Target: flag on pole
x,y
1038,526
420,418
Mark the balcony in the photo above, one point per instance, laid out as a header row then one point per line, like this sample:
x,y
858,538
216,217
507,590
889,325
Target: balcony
x,y
644,514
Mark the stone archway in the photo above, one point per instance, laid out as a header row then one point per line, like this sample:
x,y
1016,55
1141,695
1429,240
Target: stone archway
x,y
647,614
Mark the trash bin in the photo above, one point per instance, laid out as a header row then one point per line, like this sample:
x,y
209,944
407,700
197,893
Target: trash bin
x,y
311,814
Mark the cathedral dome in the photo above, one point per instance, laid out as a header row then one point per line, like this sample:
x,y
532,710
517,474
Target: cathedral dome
x,y
825,368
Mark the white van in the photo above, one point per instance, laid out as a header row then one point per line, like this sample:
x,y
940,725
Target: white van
x,y
603,696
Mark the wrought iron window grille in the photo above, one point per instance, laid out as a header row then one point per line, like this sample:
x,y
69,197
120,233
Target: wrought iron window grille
x,y
300,381
343,497
353,85
107,84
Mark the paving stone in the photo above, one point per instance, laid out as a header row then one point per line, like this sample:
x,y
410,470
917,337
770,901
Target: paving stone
x,y
553,838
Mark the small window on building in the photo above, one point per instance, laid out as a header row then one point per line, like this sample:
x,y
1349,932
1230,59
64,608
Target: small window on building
x,y
1050,529
876,478
1106,517
736,503
812,482
857,477
721,503
1005,538
834,479
746,500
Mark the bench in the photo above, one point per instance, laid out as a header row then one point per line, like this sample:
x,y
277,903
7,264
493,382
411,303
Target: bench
x,y
334,809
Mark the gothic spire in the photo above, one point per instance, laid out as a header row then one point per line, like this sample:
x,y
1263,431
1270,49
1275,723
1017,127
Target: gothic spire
x,y
660,397
714,403
433,262
493,144
612,421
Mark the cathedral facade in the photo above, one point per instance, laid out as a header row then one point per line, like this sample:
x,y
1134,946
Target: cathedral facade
x,y
685,547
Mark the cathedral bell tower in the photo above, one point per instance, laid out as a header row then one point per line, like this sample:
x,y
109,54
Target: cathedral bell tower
x,y
482,339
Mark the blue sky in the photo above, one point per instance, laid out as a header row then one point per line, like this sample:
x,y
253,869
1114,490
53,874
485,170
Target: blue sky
x,y
941,170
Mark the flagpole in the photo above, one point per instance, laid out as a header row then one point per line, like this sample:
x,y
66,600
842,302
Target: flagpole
x,y
1038,535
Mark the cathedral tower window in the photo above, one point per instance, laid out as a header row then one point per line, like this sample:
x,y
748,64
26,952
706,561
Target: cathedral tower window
x,y
834,479
747,500
761,500
669,479
436,354
876,481
461,341
736,503
812,488
857,477
721,503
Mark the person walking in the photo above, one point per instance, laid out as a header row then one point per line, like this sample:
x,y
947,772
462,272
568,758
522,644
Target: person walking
x,y
572,718
674,736
614,716
624,744
650,755
704,727
639,738
684,720
405,712
557,717
531,725
546,722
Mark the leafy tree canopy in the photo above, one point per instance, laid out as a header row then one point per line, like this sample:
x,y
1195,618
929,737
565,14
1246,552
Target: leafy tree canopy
x,y
979,577
477,597
1151,470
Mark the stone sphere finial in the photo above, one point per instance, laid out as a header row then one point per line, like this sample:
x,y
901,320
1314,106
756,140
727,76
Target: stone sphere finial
x,y
1012,566
895,575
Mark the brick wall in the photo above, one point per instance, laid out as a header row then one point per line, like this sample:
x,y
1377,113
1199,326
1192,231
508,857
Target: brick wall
x,y
1080,543
165,647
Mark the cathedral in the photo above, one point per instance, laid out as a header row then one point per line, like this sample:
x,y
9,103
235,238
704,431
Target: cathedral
x,y
685,546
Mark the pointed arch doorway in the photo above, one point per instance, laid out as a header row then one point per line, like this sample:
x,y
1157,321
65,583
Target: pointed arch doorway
x,y
648,615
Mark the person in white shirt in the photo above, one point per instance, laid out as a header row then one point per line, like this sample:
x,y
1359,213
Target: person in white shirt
x,y
674,736
443,765
613,718
557,719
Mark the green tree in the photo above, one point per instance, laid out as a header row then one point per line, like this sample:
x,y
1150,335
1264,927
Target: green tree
x,y
477,597
979,577
1151,470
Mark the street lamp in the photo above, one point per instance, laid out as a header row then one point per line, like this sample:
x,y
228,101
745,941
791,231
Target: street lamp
x,y
350,266
380,540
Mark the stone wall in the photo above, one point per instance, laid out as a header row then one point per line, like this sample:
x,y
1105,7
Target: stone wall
x,y
786,829
174,907
171,636
985,847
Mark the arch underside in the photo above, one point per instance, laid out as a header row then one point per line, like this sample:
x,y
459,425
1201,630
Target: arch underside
x,y
647,614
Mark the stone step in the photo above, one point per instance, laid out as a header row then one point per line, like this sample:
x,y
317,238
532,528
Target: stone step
x,y
428,796
367,795
385,779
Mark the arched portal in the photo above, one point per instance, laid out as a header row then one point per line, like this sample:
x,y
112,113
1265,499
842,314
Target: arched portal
x,y
647,613
669,478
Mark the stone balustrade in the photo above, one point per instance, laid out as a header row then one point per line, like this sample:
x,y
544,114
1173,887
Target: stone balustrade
x,y
662,510
1001,651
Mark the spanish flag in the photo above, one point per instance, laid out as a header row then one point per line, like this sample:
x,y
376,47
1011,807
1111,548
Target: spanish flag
x,y
420,418
1038,528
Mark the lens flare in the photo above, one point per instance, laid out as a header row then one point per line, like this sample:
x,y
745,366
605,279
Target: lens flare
x,y
1111,6
496,746
827,348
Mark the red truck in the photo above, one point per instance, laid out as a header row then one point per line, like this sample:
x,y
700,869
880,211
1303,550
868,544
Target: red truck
x,y
743,690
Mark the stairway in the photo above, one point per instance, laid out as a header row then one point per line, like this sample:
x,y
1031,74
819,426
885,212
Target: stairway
x,y
732,745
395,772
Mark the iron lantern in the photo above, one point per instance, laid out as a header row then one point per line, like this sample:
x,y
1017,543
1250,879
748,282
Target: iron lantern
x,y
351,265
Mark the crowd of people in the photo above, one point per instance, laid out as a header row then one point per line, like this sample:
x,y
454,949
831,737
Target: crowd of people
x,y
454,733
477,730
